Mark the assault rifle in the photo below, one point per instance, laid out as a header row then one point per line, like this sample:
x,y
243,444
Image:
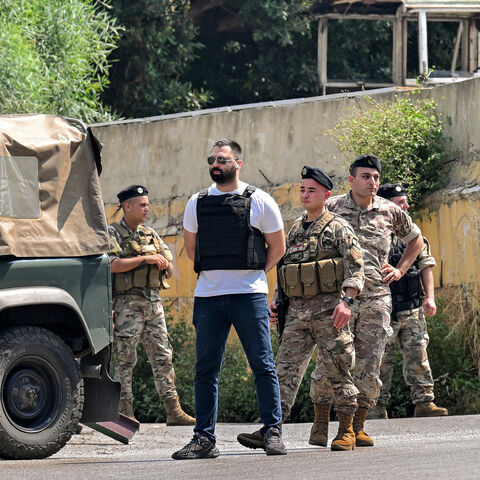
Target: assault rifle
x,y
282,303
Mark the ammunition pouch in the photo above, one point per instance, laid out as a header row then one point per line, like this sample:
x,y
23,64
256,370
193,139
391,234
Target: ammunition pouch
x,y
144,275
141,277
311,278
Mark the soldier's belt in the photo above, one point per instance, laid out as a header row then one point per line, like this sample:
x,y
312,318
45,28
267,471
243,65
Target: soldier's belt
x,y
311,278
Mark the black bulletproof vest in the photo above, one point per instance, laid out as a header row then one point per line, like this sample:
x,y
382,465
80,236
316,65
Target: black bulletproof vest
x,y
407,292
225,238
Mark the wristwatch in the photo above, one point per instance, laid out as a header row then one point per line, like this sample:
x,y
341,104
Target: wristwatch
x,y
349,300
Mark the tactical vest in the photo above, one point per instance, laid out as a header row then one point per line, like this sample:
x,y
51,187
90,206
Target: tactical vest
x,y
407,292
225,239
140,242
308,269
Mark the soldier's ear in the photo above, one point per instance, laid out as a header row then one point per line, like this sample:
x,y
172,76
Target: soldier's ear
x,y
327,195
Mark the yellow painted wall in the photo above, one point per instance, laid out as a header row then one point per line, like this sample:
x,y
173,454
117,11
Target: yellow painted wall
x,y
454,235
168,155
453,232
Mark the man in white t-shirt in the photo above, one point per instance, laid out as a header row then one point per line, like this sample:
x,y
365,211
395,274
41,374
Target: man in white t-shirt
x,y
226,228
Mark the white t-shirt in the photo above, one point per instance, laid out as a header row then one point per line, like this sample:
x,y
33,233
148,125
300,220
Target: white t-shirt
x,y
264,215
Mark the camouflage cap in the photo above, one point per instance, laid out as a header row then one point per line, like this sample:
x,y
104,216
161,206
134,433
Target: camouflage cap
x,y
132,191
390,190
367,161
317,174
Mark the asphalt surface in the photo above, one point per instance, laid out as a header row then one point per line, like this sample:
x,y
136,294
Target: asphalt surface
x,y
412,448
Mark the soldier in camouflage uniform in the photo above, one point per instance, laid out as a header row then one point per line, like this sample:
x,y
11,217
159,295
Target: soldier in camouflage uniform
x,y
322,263
409,325
140,262
374,220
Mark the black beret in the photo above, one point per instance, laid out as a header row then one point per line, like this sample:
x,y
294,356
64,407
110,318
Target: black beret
x,y
390,190
132,191
368,161
318,175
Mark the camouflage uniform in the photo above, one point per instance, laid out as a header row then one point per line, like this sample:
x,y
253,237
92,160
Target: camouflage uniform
x,y
139,316
370,318
309,323
410,328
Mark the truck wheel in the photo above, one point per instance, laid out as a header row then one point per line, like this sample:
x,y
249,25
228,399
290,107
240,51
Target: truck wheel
x,y
41,397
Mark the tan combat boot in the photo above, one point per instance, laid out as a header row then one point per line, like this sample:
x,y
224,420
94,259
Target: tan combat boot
x,y
175,415
319,431
378,411
345,439
429,409
126,407
362,439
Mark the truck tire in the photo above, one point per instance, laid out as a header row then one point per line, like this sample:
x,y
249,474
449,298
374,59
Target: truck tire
x,y
41,397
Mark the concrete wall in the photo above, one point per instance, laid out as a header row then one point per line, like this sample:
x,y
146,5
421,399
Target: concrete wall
x,y
168,155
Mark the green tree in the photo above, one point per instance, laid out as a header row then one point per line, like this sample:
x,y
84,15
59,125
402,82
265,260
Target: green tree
x,y
267,50
158,44
178,55
360,50
255,51
54,57
406,134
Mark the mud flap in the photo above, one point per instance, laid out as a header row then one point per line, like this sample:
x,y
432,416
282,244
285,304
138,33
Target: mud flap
x,y
102,399
101,393
121,430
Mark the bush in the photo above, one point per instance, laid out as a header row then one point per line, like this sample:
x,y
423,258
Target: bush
x,y
148,406
237,400
406,134
158,45
54,57
457,386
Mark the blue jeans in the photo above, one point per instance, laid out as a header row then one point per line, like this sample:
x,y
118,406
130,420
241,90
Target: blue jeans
x,y
213,318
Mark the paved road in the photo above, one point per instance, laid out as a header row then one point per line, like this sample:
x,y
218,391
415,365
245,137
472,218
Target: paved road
x,y
438,449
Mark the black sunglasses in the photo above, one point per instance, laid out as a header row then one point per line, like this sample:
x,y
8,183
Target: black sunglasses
x,y
220,160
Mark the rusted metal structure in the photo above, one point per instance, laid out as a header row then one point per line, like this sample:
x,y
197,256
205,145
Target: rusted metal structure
x,y
467,42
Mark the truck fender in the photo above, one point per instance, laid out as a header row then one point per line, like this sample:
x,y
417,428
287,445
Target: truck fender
x,y
21,296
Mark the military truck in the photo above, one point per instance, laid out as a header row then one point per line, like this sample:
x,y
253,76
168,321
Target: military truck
x,y
55,286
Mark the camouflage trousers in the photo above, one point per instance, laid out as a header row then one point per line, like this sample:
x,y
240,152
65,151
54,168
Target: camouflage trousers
x,y
370,324
309,324
137,319
410,328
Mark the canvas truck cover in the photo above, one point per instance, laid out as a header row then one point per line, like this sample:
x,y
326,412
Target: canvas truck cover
x,y
50,199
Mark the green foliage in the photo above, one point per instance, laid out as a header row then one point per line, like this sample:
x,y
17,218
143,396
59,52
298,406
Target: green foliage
x,y
237,401
406,134
158,44
457,385
302,410
178,55
441,40
360,50
262,51
148,407
54,57
21,84
464,307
